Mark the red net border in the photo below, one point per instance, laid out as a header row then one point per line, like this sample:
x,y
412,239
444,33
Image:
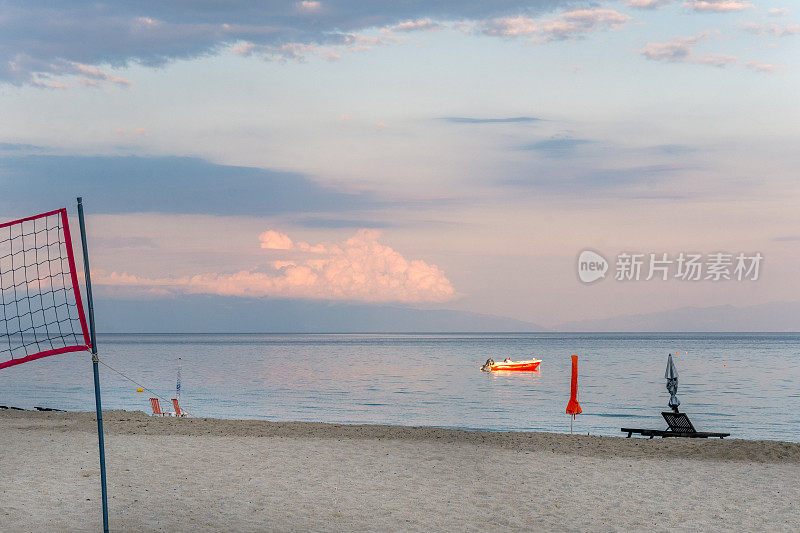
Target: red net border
x,y
75,288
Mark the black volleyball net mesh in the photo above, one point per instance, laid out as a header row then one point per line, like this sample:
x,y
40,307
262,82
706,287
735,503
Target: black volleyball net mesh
x,y
41,312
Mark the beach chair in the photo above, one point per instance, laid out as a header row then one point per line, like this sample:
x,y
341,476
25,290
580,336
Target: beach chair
x,y
678,424
177,407
156,407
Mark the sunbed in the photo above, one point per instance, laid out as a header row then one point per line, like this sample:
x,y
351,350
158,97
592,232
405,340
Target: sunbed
x,y
679,426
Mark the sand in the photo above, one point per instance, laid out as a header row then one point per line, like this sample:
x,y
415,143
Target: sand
x,y
227,475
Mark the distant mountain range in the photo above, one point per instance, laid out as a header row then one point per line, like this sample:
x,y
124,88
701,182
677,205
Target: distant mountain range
x,y
774,316
218,314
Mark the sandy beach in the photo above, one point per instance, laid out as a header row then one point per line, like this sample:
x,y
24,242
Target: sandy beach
x,y
206,474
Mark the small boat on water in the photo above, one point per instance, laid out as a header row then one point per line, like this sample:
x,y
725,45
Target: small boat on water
x,y
512,366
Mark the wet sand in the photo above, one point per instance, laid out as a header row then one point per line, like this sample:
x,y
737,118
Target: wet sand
x,y
243,475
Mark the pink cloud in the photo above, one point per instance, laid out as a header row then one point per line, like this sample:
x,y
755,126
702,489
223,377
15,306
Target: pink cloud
x,y
46,84
766,68
777,11
284,52
299,52
42,74
647,4
416,25
360,268
718,6
678,48
92,75
773,30
716,60
567,26
309,6
273,240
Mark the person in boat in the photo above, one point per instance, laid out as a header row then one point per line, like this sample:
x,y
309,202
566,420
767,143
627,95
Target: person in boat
x,y
507,360
488,365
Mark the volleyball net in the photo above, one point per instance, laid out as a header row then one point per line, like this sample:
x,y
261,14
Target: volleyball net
x,y
41,312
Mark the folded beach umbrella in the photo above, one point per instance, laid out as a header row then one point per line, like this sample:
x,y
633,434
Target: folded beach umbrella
x,y
573,407
671,375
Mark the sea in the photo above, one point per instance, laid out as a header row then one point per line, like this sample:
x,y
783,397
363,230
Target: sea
x,y
744,384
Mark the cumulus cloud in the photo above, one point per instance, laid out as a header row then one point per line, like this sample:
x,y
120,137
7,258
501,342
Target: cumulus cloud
x,y
568,25
42,42
273,240
360,268
718,6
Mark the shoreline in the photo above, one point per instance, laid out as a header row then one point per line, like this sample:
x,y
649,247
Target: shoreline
x,y
121,422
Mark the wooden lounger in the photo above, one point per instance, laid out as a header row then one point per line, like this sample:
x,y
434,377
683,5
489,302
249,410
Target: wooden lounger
x,y
679,426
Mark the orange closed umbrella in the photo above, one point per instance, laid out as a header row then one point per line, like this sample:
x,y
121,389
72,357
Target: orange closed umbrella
x,y
573,407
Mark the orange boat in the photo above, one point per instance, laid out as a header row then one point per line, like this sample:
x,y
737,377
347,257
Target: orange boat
x,y
511,366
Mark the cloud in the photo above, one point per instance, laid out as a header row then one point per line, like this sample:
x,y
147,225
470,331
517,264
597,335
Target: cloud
x,y
680,49
360,269
717,6
566,26
273,240
557,147
42,42
772,30
766,68
489,120
716,60
777,11
317,222
119,243
672,149
20,147
647,4
182,185
416,25
308,6
25,69
633,182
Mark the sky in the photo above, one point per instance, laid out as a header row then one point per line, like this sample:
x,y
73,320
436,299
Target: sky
x,y
440,155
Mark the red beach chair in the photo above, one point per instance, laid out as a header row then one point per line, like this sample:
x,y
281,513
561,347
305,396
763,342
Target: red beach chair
x,y
178,411
156,407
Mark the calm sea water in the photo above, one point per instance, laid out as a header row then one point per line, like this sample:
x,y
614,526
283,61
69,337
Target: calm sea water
x,y
747,384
